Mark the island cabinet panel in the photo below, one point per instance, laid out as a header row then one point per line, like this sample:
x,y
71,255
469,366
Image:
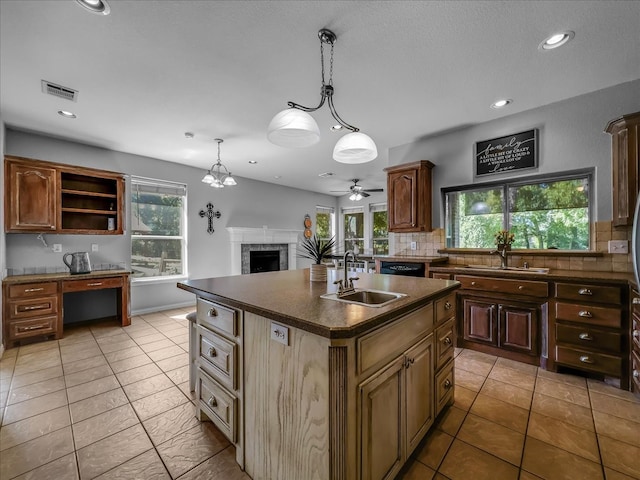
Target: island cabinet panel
x,y
31,197
419,366
286,410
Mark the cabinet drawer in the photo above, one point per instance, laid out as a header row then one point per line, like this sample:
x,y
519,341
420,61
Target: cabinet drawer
x,y
603,316
445,308
33,307
219,405
215,316
444,386
444,343
589,293
588,360
586,337
441,276
518,287
383,344
91,284
219,355
635,372
35,326
26,290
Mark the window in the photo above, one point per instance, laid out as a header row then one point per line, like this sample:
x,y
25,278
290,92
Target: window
x,y
324,223
353,228
542,212
379,228
158,228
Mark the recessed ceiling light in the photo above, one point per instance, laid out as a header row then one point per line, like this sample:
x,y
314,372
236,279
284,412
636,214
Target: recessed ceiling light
x,y
66,114
253,162
101,7
277,177
326,174
501,103
556,40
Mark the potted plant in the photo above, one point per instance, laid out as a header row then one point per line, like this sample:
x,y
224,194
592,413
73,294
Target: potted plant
x,y
316,249
504,239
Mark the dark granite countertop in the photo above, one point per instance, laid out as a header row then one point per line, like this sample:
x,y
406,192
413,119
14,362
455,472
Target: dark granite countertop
x,y
410,258
52,277
290,298
614,278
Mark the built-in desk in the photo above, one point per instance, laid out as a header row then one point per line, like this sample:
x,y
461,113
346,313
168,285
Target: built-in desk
x,y
33,304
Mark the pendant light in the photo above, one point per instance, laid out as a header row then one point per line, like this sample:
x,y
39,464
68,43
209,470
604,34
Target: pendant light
x,y
294,127
215,176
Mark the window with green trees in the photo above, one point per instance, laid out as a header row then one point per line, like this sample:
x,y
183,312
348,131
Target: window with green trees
x,y
324,223
380,228
353,229
542,213
157,228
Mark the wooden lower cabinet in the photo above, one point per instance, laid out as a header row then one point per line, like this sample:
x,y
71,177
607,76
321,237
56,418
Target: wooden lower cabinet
x,y
518,328
480,321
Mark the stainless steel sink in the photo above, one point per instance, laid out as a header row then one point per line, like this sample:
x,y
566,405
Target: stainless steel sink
x,y
367,298
513,269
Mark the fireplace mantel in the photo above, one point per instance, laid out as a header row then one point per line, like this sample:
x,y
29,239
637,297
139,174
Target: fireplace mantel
x,y
248,235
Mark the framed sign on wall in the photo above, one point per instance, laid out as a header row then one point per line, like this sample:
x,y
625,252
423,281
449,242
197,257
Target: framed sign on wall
x,y
511,152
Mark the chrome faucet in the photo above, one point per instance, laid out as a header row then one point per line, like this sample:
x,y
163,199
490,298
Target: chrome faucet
x,y
503,257
346,287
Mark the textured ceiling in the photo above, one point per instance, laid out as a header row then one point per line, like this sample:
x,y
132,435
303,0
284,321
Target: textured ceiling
x,y
152,70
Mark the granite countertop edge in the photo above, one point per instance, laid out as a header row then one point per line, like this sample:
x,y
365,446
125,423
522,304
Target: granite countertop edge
x,y
49,277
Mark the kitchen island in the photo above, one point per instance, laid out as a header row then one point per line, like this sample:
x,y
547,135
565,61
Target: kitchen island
x,y
314,388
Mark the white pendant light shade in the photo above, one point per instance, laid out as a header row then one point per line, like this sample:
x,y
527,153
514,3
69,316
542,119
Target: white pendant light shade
x,y
208,178
293,128
355,147
229,181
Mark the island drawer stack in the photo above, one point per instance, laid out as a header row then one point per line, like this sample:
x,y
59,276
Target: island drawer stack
x,y
218,362
635,344
589,330
445,317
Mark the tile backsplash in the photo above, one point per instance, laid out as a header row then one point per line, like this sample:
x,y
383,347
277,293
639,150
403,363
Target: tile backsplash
x,y
428,245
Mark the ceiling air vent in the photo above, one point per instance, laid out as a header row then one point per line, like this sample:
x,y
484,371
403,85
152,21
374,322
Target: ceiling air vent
x,y
59,91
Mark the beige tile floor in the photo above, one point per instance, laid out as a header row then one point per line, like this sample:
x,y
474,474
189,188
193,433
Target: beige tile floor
x,y
114,403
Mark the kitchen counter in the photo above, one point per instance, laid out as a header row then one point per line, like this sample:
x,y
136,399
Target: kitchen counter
x,y
48,277
290,298
410,258
614,278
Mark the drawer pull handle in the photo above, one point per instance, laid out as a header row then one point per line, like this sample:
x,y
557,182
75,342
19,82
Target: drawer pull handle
x,y
212,312
27,290
585,291
36,307
585,336
32,327
636,374
520,287
447,305
447,341
447,384
95,284
585,314
636,334
212,402
212,352
473,283
636,300
586,359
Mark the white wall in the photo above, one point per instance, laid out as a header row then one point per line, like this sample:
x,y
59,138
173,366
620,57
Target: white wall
x,y
571,136
250,204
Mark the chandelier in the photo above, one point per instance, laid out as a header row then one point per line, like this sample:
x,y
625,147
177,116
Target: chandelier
x,y
294,127
215,176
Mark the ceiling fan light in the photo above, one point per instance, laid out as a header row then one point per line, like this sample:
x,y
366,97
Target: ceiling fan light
x,y
208,178
355,147
293,128
229,181
352,197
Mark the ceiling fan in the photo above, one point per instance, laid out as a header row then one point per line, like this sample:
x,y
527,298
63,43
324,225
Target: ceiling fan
x,y
358,192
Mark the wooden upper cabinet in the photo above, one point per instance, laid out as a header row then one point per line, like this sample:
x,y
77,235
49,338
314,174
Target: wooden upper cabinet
x,y
409,197
625,166
54,198
30,198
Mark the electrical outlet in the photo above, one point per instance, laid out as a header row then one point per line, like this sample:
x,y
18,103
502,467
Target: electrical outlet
x,y
618,246
414,245
280,333
57,248
94,247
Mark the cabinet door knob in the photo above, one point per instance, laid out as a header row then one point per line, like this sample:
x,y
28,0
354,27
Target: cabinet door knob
x,y
447,341
585,314
473,283
586,359
636,374
636,334
585,336
212,402
636,300
212,312
585,291
447,384
520,287
447,305
212,352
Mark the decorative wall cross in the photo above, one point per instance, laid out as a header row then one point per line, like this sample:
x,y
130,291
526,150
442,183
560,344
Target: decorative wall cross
x,y
210,214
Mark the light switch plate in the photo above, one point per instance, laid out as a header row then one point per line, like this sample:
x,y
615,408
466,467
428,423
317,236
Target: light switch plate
x,y
618,246
94,247
414,245
57,247
280,333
